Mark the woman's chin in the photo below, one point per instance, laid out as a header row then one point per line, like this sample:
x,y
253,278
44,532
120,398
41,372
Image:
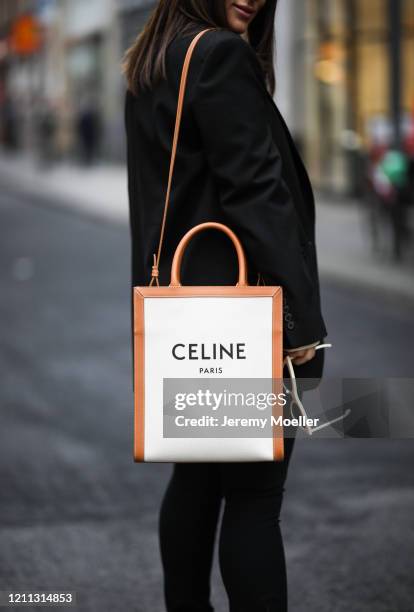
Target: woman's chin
x,y
238,26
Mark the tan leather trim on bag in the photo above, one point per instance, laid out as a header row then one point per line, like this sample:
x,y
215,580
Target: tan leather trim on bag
x,y
140,293
208,291
139,377
277,371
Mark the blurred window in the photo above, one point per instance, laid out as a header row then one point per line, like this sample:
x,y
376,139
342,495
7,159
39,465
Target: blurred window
x,y
348,81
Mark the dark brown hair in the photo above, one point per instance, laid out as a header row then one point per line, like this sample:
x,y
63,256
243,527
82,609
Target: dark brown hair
x,y
144,62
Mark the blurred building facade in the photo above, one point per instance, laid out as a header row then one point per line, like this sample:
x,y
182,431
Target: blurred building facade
x,y
354,72
69,82
60,77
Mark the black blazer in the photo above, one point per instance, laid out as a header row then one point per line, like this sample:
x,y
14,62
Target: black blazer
x,y
236,164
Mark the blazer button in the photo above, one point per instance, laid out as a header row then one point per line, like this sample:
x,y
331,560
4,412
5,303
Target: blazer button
x,y
288,316
291,325
286,308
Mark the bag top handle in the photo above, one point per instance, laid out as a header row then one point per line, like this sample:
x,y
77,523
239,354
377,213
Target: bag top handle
x,y
178,255
181,94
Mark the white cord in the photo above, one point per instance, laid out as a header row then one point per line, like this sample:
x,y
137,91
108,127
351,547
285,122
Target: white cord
x,y
296,399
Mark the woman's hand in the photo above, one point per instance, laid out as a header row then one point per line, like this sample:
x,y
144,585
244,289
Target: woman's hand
x,y
302,354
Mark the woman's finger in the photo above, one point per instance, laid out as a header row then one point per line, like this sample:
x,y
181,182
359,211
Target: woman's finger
x,y
304,356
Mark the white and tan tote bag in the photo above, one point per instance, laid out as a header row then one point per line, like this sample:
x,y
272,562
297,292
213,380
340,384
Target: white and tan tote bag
x,y
236,330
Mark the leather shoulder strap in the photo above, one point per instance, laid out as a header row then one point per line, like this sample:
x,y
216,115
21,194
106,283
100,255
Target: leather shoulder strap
x,y
181,94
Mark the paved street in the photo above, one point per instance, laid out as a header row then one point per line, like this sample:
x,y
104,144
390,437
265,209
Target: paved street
x,y
77,513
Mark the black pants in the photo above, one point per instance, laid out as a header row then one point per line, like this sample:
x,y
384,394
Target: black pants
x,y
251,554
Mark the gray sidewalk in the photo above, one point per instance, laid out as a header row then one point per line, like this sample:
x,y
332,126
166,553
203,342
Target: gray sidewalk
x,y
101,191
345,253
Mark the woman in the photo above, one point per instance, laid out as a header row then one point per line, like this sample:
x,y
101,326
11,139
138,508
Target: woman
x,y
236,164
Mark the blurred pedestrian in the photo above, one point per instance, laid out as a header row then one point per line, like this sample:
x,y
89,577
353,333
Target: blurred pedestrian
x,y
45,121
395,166
10,124
89,131
236,164
65,136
